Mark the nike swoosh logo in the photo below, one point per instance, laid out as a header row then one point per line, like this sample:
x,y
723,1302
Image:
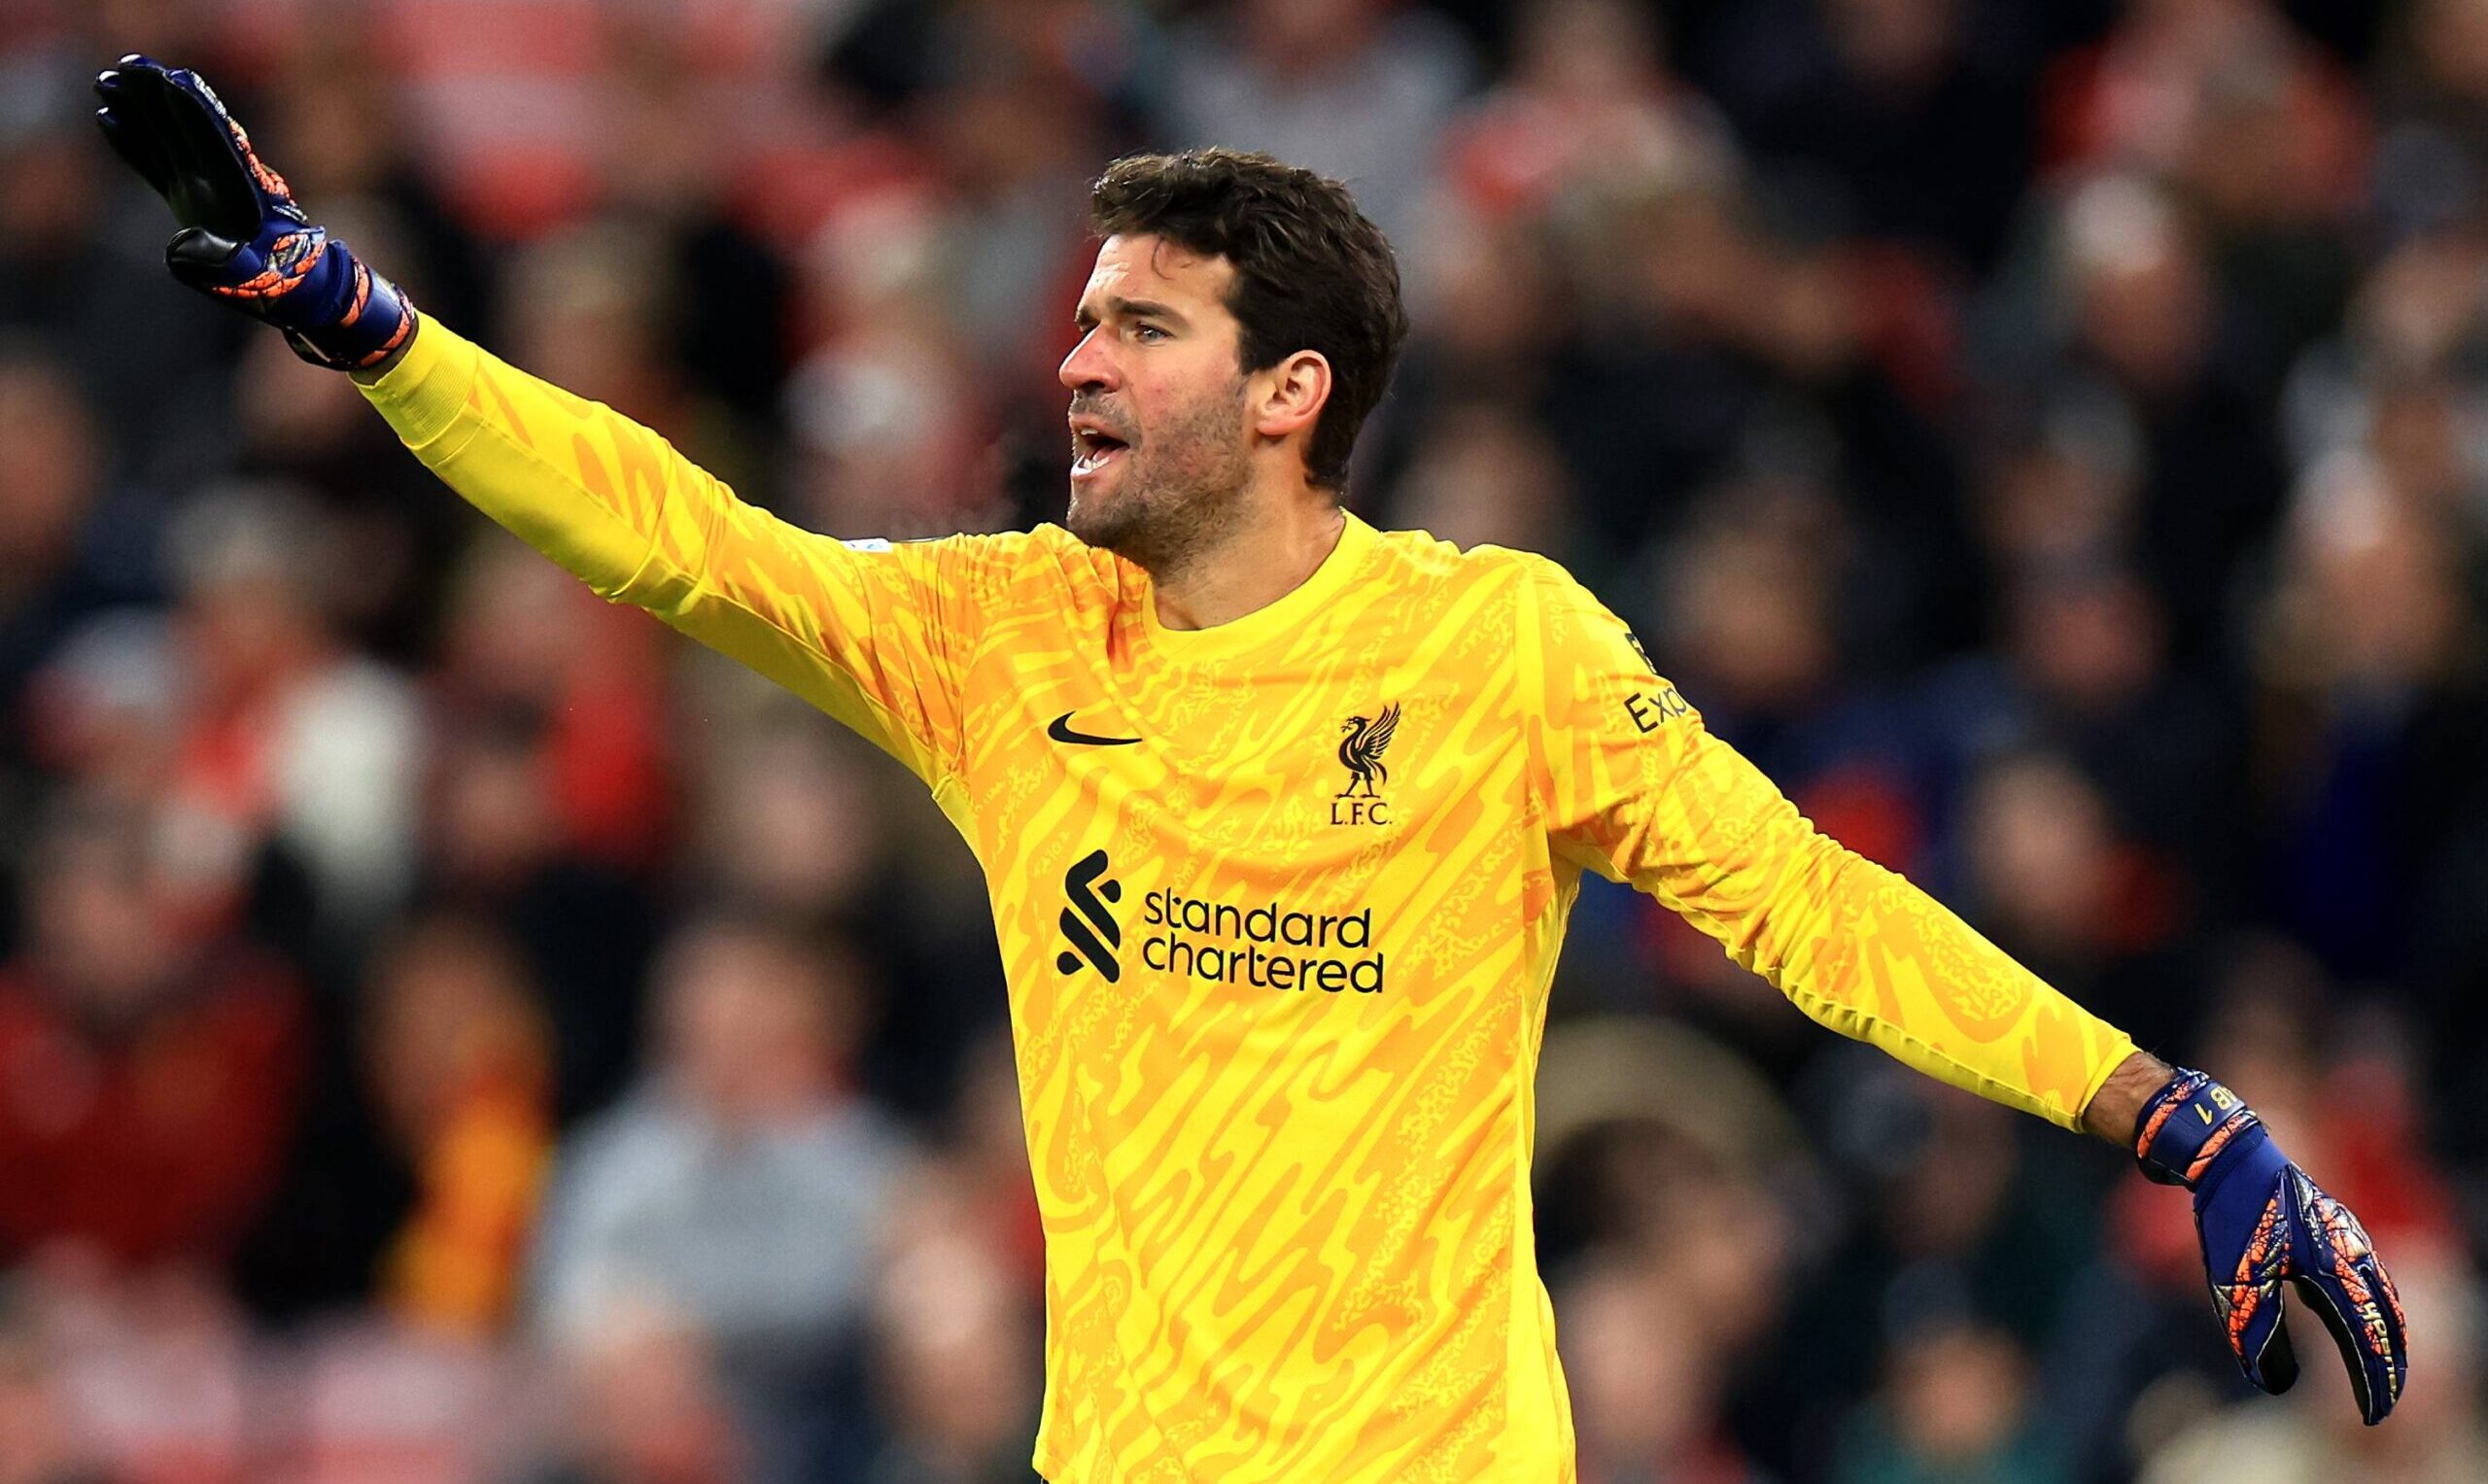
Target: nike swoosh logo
x,y
1061,731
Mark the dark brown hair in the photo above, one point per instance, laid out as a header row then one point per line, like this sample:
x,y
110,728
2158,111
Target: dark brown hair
x,y
1311,273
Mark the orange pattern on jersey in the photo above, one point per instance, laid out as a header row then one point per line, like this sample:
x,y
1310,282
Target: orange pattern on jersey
x,y
1277,1022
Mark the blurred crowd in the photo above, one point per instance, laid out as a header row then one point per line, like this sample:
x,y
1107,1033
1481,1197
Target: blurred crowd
x,y
451,1029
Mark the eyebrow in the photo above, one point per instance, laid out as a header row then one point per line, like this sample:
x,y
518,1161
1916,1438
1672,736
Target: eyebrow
x,y
1134,309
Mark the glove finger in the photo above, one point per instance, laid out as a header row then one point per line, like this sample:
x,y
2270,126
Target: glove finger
x,y
2276,1367
137,146
260,282
267,187
2246,1280
2334,1265
2258,1336
137,150
2366,1383
147,113
213,184
2347,1288
204,261
2397,1338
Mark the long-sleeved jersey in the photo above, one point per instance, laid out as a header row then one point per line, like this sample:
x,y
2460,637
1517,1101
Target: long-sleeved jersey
x,y
1278,901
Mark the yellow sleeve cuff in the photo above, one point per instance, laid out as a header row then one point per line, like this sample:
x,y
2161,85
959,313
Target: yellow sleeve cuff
x,y
424,393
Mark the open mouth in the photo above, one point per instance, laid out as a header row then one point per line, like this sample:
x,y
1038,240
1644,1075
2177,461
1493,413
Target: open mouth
x,y
1092,449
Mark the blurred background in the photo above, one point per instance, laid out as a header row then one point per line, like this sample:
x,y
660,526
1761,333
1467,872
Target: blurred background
x,y
451,1029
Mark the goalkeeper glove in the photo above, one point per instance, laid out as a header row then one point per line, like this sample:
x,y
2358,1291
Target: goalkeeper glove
x,y
2262,1222
242,237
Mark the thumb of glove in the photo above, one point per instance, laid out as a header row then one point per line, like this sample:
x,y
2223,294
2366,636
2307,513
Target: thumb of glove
x,y
2275,1371
199,256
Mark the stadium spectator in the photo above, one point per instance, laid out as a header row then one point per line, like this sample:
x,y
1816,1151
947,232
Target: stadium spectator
x,y
2161,350
157,1372
1881,118
2375,713
58,566
1956,1406
1360,90
288,735
953,1325
889,411
461,1066
149,1061
2433,139
741,1190
666,167
1487,474
644,1405
787,821
40,1439
1650,1400
1588,107
2084,669
72,273
2053,874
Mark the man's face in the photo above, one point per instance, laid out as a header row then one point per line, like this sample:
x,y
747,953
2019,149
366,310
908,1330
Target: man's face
x,y
1161,442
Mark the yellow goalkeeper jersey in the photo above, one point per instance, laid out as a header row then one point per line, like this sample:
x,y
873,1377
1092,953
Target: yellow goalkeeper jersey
x,y
1278,902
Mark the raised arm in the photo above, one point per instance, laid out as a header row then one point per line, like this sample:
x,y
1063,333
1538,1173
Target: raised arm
x,y
1635,788
875,635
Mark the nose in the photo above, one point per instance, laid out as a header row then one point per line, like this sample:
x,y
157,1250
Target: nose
x,y
1088,367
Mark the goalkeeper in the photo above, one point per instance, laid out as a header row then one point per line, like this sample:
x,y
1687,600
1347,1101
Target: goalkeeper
x,y
1281,816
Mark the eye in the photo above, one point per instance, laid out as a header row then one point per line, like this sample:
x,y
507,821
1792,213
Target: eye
x,y
1147,333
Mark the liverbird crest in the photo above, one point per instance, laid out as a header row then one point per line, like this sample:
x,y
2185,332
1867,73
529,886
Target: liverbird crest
x,y
1361,749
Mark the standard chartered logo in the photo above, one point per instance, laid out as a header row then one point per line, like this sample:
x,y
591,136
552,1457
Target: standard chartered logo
x,y
1093,933
1266,945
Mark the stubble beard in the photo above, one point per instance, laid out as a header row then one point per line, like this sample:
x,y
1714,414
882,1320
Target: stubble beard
x,y
1182,495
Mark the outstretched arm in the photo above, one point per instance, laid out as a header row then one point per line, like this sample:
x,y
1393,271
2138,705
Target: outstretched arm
x,y
875,635
1637,789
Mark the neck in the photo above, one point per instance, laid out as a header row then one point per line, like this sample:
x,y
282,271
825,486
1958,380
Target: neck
x,y
1258,563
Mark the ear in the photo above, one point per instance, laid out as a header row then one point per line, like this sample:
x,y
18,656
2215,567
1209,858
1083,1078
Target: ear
x,y
1288,398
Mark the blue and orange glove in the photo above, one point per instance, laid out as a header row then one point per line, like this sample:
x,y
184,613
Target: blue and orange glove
x,y
242,238
2263,1222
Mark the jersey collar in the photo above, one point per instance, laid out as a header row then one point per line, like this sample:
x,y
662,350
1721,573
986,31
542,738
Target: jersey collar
x,y
1291,611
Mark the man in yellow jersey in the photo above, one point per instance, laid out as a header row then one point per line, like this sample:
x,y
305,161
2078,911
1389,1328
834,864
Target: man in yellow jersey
x,y
1281,816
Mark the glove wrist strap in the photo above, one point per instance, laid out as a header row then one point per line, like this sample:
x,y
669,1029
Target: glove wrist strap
x,y
374,319
2186,1125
